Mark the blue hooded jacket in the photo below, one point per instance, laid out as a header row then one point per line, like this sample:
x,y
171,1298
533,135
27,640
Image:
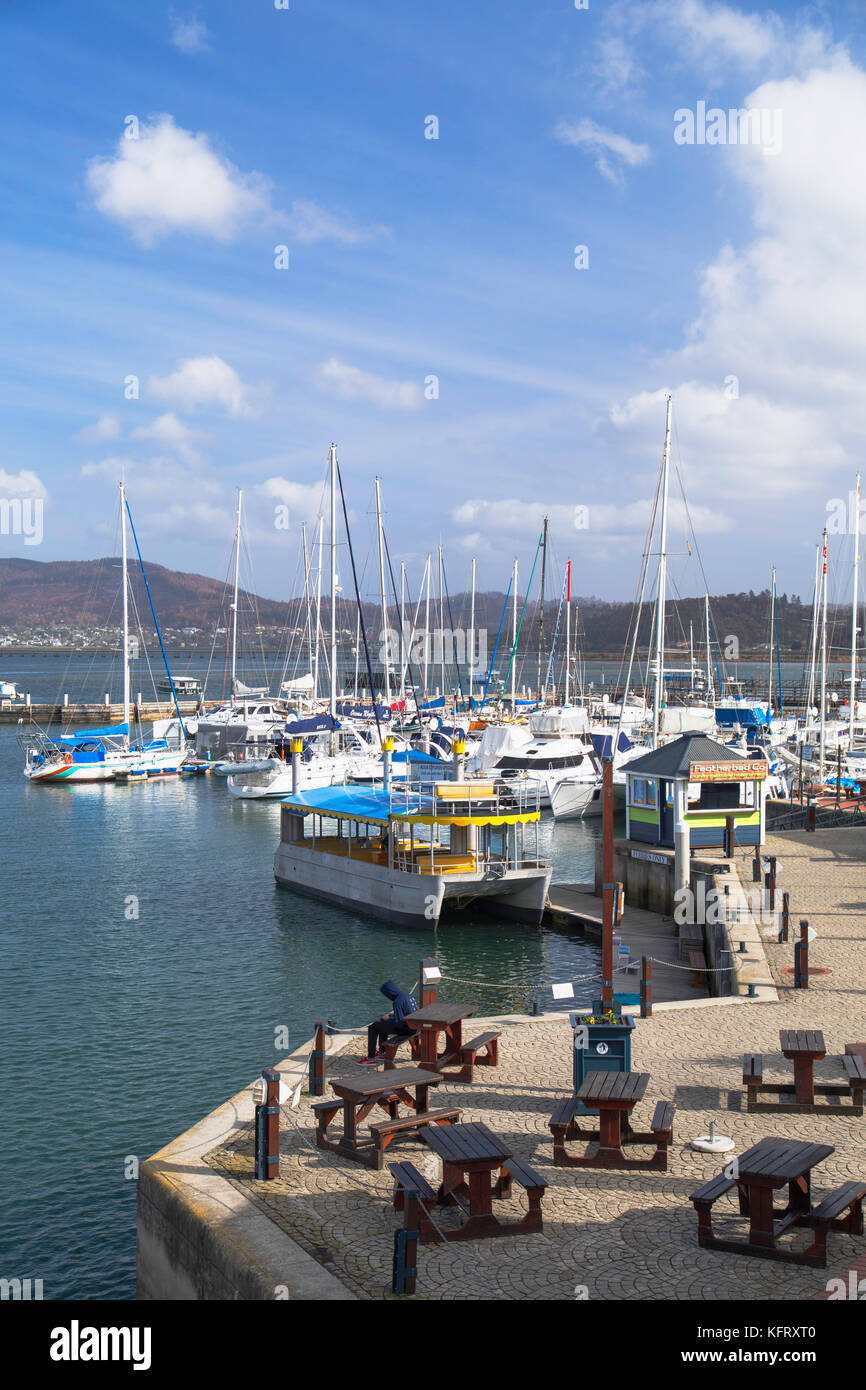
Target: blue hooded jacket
x,y
403,1003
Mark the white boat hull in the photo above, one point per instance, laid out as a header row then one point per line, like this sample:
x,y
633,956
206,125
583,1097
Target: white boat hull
x,y
408,899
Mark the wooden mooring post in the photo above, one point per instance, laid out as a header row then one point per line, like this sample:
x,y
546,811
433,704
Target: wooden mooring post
x,y
429,976
267,1127
317,1063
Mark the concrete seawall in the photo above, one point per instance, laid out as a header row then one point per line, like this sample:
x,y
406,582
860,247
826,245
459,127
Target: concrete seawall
x,y
199,1238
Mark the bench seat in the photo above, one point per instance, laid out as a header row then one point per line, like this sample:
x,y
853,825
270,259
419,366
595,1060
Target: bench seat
x,y
386,1130
469,1058
828,1216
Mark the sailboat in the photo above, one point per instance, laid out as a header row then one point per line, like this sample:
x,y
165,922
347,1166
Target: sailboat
x,y
105,754
246,724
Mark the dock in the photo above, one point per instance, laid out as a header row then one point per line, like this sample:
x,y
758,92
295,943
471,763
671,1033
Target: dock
x,y
645,934
94,714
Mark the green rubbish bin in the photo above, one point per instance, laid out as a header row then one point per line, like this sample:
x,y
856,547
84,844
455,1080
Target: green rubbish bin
x,y
599,1047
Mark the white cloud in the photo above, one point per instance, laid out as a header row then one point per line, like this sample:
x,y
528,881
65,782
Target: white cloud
x,y
106,427
304,500
189,35
171,432
518,519
23,484
309,223
172,180
204,381
612,151
351,383
783,313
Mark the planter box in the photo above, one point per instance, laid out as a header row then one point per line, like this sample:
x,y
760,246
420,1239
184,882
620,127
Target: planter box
x,y
608,1049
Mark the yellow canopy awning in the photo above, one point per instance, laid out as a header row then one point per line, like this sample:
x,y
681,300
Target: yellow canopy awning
x,y
479,818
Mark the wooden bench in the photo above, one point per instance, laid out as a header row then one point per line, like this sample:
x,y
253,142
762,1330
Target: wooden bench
x,y
698,966
564,1126
753,1076
465,791
325,1111
706,1196
469,1056
390,1049
856,1069
856,1050
386,1130
408,1179
446,863
515,1170
662,1126
828,1216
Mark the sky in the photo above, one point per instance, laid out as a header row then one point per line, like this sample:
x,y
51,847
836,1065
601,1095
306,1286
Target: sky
x,y
474,245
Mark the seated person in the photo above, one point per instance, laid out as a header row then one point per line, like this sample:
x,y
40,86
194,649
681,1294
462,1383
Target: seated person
x,y
392,1025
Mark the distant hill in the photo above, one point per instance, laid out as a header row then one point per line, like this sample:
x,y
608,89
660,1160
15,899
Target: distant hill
x,y
86,593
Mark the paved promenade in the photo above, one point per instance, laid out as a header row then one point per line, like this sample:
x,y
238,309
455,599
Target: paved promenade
x,y
611,1235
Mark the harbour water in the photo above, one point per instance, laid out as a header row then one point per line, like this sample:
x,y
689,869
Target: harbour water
x,y
150,962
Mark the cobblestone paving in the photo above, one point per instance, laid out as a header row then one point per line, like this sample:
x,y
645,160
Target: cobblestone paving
x,y
613,1235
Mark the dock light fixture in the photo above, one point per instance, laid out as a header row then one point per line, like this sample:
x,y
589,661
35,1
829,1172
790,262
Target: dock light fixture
x,y
430,973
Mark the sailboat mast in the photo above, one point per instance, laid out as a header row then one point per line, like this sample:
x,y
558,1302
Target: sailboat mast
x,y
852,698
235,604
427,570
125,611
541,616
402,630
663,568
824,661
567,630
514,637
772,630
707,626
472,633
318,609
333,585
385,642
442,622
813,654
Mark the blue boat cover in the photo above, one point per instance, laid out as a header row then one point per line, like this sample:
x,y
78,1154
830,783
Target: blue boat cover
x,y
113,731
317,724
435,704
350,711
415,755
602,744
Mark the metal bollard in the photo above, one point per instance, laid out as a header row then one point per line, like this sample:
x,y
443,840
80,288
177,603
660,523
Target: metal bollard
x,y
646,987
756,866
317,1063
786,918
730,836
801,965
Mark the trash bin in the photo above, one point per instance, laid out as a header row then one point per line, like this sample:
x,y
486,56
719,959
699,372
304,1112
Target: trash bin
x,y
600,1047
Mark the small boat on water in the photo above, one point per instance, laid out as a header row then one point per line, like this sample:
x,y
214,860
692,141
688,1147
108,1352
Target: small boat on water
x,y
403,854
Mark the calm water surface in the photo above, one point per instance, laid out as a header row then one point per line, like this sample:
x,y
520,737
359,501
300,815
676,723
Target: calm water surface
x,y
119,1033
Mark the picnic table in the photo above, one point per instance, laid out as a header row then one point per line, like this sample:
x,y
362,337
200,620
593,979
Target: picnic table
x,y
358,1096
770,1164
471,1155
804,1047
433,1020
614,1094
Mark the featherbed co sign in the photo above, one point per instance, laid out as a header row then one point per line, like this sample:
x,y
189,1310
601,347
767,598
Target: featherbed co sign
x,y
753,771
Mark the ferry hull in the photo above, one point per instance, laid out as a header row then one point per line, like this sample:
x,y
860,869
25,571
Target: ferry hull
x,y
408,900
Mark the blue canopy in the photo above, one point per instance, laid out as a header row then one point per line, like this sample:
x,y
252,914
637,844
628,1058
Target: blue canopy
x,y
435,704
113,731
415,755
352,803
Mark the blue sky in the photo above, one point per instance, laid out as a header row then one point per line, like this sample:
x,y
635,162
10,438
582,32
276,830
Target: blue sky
x,y
730,273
